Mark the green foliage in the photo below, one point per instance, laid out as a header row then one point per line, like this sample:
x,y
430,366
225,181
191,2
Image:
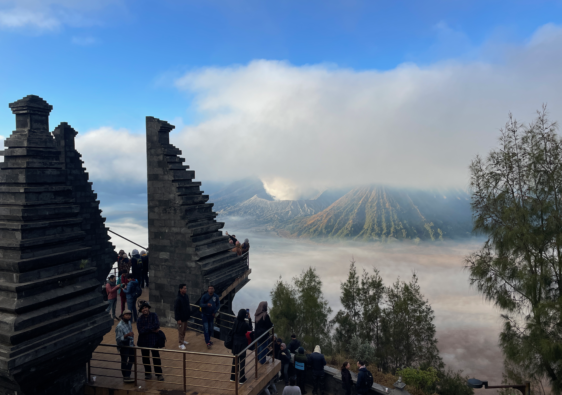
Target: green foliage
x,y
284,310
517,204
301,309
408,329
362,350
453,383
424,380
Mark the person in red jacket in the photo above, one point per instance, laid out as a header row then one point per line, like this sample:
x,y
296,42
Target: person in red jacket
x,y
111,288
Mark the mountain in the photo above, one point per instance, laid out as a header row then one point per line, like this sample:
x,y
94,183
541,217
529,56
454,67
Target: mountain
x,y
382,213
239,192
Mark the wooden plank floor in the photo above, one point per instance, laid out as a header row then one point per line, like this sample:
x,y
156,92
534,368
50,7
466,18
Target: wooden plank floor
x,y
202,371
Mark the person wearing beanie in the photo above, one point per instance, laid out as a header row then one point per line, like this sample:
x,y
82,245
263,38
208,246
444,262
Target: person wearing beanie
x,y
317,363
124,337
294,344
300,368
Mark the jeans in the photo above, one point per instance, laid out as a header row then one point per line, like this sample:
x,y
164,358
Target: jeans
x,y
208,326
285,373
127,360
272,386
131,306
242,368
318,383
263,349
111,307
144,279
155,359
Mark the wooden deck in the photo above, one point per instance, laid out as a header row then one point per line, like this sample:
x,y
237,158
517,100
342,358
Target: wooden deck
x,y
205,373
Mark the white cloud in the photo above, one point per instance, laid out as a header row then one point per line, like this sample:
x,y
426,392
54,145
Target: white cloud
x,y
45,15
321,125
113,154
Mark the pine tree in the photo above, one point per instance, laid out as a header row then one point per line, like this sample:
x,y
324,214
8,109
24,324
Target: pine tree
x,y
284,309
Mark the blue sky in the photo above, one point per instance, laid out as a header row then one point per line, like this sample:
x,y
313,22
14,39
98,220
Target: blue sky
x,y
113,65
314,94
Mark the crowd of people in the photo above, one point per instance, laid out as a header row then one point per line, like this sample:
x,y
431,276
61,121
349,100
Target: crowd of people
x,y
296,365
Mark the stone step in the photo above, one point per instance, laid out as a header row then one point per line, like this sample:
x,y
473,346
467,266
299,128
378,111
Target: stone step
x,y
187,183
220,261
183,174
211,249
63,238
193,199
31,213
194,190
227,275
204,228
205,236
202,208
177,166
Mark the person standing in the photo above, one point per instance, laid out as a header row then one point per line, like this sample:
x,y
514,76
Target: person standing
x,y
182,314
123,263
294,344
239,343
317,362
346,380
210,304
263,324
144,257
111,288
136,265
300,368
364,379
148,326
285,362
291,388
124,337
123,281
132,292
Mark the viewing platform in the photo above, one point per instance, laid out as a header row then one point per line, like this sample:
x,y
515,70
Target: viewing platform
x,y
198,370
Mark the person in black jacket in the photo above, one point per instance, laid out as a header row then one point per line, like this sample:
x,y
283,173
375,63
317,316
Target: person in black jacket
x,y
239,343
346,381
182,313
294,344
317,362
285,358
144,258
263,324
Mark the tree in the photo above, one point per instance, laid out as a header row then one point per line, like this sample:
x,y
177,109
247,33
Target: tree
x,y
349,319
284,308
312,310
516,203
361,299
408,329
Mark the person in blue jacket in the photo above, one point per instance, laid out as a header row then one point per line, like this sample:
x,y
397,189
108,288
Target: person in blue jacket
x,y
131,292
210,304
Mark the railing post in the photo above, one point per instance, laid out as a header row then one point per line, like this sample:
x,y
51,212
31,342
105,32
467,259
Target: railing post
x,y
256,357
236,375
136,382
184,376
272,345
89,373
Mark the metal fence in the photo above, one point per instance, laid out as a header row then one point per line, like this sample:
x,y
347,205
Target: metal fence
x,y
188,367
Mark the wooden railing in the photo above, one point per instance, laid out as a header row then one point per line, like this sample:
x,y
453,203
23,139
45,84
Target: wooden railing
x,y
262,352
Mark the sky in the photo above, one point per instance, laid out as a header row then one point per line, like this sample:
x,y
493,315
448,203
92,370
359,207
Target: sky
x,y
304,96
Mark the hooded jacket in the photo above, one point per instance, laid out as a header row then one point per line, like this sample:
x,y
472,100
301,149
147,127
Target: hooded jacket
x,y
317,362
182,309
239,330
215,302
362,385
131,290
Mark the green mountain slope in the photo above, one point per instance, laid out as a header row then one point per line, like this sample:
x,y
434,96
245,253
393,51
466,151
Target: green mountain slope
x,y
382,213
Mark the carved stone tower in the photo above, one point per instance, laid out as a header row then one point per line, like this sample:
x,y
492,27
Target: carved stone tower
x,y
186,244
51,315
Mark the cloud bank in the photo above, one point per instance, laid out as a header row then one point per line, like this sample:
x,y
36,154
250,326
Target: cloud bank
x,y
316,126
48,15
113,155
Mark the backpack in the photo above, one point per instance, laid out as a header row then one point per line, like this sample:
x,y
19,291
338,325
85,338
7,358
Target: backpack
x,y
138,293
369,380
229,342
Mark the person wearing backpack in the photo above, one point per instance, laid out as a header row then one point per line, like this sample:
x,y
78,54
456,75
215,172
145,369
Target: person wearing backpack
x,y
136,265
364,379
300,369
133,291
